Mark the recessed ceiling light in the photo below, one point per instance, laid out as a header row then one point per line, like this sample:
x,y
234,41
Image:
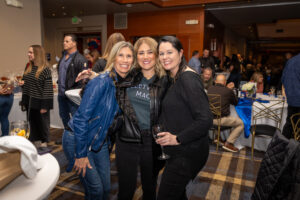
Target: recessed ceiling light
x,y
64,13
129,5
53,14
63,7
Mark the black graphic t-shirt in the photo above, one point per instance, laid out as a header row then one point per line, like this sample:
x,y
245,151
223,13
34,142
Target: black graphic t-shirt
x,y
140,100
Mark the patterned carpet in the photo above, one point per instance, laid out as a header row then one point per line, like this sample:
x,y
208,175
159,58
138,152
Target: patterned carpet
x,y
225,176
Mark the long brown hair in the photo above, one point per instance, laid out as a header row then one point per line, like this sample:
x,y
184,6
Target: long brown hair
x,y
112,40
39,60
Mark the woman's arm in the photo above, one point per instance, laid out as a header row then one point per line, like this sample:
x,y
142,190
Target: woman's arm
x,y
196,100
47,91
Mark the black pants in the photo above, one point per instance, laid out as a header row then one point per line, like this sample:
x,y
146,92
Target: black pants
x,y
39,125
288,129
130,156
179,171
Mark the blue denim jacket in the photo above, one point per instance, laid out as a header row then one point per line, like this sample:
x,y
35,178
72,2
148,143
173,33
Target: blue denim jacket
x,y
94,115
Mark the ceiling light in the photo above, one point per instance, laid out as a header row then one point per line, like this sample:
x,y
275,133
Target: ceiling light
x,y
64,13
129,5
53,14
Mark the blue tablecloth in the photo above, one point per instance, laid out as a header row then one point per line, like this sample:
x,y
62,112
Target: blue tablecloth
x,y
244,110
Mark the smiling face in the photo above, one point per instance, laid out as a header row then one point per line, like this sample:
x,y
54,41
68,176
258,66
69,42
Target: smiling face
x,y
146,57
123,61
30,54
169,57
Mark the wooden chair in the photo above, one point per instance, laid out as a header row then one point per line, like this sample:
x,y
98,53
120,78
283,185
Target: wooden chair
x,y
215,107
270,111
295,120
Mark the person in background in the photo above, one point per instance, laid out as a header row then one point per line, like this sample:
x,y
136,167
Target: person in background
x,y
258,78
207,78
6,102
217,61
68,68
92,120
195,62
88,57
186,117
290,88
227,98
235,75
37,96
140,101
207,61
111,41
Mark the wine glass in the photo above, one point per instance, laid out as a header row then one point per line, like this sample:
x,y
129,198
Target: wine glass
x,y
155,130
272,91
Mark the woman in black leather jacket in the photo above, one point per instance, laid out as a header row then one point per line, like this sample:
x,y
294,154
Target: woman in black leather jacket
x,y
139,97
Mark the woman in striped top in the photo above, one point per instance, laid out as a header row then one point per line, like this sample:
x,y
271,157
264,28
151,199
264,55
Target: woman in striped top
x,y
37,95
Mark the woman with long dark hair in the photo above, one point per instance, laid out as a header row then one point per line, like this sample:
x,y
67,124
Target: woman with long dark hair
x,y
186,118
37,95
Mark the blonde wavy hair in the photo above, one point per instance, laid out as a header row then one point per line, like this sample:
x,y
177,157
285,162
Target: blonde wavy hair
x,y
159,70
39,60
113,54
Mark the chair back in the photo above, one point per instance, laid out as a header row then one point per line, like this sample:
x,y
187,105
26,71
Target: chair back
x,y
215,104
295,120
268,111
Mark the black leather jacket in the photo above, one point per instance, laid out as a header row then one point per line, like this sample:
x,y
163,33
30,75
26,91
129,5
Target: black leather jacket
x,y
157,91
77,64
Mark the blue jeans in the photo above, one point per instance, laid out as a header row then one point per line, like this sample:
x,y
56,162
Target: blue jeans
x,y
68,144
97,180
66,108
6,102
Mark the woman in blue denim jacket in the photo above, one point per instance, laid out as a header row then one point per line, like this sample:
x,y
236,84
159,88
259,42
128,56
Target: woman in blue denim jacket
x,y
92,120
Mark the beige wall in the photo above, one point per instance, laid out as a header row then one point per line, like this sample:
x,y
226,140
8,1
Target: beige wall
x,y
19,28
55,29
234,44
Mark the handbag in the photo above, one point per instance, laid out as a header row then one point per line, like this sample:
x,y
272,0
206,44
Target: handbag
x,y
129,132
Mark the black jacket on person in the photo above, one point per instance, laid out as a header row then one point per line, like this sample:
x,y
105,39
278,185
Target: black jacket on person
x,y
77,64
208,62
157,91
279,173
99,66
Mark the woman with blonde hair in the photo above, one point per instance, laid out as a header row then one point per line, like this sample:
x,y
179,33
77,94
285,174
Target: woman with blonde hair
x,y
37,95
100,64
91,121
139,98
258,78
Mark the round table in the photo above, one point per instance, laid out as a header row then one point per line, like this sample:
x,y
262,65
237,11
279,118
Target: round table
x,y
39,187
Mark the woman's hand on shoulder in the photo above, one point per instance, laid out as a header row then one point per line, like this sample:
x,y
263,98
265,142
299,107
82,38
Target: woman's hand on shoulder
x,y
166,139
87,73
81,164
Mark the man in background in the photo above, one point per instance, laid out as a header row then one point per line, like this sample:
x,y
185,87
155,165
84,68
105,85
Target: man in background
x,y
291,88
207,61
207,78
195,62
69,67
227,98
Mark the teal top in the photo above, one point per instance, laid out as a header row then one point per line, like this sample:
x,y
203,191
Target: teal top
x,y
139,98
